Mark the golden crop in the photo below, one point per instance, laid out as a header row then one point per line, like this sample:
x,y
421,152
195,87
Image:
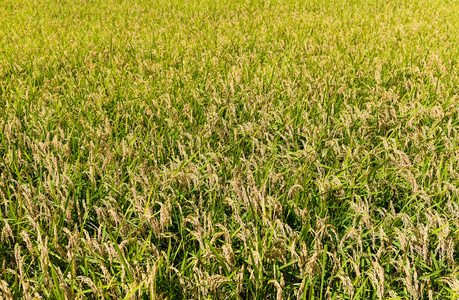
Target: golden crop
x,y
229,149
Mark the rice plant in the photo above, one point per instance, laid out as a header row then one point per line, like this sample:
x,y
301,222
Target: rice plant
x,y
244,149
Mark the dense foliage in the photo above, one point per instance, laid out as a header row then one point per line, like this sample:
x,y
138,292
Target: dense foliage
x,y
229,149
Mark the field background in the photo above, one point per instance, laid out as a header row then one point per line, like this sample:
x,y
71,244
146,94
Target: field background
x,y
229,149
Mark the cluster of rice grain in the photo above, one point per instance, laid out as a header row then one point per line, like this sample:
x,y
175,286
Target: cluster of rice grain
x,y
230,150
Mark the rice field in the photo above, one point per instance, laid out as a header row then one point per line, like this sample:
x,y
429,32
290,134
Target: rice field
x,y
233,149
